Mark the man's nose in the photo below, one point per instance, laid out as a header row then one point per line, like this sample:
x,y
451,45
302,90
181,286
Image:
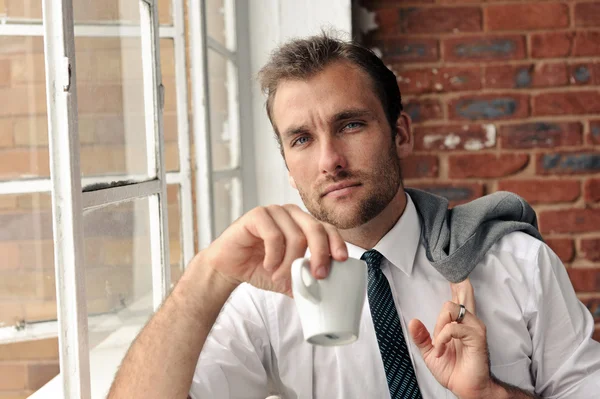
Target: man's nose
x,y
332,157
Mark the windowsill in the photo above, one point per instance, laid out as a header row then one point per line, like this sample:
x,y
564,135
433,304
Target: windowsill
x,y
106,356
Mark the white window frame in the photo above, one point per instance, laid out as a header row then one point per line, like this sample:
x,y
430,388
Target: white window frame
x,y
67,184
183,177
68,200
240,109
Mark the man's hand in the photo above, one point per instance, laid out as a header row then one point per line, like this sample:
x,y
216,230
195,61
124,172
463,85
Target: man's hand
x,y
259,248
458,354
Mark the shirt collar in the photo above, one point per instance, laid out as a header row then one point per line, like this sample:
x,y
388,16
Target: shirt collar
x,y
399,246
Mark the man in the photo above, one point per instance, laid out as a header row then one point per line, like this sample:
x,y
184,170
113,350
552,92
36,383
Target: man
x,y
336,111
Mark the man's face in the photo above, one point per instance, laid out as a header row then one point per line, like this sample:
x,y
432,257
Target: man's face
x,y
338,145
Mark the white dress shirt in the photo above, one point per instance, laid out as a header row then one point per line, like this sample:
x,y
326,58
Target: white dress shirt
x,y
538,331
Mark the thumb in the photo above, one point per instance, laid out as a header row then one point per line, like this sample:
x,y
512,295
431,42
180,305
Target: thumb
x,y
420,336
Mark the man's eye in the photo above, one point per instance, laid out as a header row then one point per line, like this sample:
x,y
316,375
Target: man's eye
x,y
300,141
353,125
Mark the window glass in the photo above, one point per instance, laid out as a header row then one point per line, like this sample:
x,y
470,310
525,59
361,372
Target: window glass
x,y
23,116
86,11
27,283
224,126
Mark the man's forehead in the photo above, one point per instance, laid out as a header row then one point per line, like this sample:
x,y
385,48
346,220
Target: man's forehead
x,y
329,95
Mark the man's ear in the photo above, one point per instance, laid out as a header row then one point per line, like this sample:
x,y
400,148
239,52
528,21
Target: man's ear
x,y
292,181
404,136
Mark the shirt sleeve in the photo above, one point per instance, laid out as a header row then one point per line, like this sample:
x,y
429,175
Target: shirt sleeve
x,y
565,360
235,359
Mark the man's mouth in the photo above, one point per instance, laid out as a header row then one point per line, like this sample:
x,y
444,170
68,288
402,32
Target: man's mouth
x,y
340,188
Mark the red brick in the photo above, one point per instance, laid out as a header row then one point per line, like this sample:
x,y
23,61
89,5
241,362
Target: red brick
x,y
29,350
440,19
543,191
18,162
583,74
526,16
5,67
562,247
456,193
567,103
460,1
10,255
14,376
594,137
421,110
565,44
374,3
486,165
409,49
452,137
418,166
584,279
387,21
568,163
485,48
590,248
541,135
592,190
526,76
40,373
552,44
431,80
587,14
570,221
587,44
489,107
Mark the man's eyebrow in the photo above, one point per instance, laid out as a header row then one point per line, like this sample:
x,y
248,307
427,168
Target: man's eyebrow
x,y
351,113
340,116
295,130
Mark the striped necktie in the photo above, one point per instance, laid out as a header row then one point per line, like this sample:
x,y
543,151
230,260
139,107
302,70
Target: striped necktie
x,y
400,374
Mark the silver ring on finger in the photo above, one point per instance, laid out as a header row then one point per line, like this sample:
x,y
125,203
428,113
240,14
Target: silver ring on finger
x,y
461,313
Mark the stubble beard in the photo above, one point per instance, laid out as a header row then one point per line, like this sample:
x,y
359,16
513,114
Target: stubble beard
x,y
381,186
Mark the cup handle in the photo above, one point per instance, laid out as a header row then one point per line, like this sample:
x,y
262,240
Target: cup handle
x,y
310,291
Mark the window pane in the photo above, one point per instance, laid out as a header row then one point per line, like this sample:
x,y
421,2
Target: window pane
x,y
118,279
23,117
27,288
227,203
175,239
167,65
223,112
220,22
86,11
111,106
21,9
165,12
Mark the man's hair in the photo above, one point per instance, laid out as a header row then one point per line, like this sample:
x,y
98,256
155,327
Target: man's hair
x,y
303,58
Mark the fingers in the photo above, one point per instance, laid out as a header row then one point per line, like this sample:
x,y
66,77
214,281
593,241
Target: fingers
x,y
463,293
446,322
287,231
324,241
295,241
420,336
473,335
272,236
449,314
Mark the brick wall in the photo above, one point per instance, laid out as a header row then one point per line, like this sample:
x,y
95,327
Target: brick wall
x,y
504,96
27,366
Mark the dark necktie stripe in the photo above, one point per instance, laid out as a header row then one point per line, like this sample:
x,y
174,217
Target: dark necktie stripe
x,y
399,372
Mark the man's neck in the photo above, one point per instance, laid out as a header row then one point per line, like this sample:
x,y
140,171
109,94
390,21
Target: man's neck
x,y
369,234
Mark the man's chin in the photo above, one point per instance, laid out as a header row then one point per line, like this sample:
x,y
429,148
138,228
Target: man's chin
x,y
345,221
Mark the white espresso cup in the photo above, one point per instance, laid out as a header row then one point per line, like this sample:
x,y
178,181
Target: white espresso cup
x,y
330,309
